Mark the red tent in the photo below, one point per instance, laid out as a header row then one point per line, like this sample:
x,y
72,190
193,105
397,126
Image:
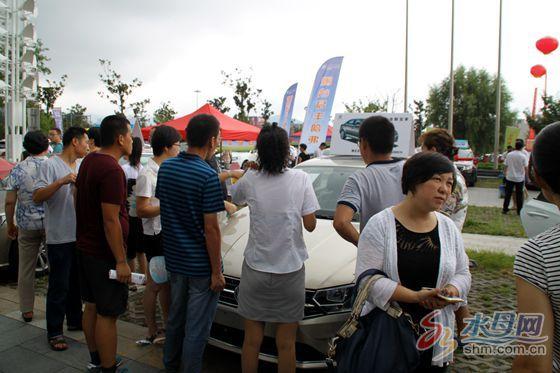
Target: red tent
x,y
231,129
5,168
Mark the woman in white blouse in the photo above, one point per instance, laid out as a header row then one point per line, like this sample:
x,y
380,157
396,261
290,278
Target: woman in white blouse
x,y
418,247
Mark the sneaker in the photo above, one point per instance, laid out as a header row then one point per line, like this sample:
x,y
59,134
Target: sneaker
x,y
91,367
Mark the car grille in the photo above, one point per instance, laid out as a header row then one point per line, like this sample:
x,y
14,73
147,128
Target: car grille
x,y
228,298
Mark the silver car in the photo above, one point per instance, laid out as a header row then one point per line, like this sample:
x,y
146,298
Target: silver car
x,y
329,272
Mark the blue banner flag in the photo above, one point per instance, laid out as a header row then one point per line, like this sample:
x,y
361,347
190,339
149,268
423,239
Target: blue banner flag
x,y
288,108
320,105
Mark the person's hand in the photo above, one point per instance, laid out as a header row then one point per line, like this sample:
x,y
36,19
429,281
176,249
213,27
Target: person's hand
x,y
218,282
450,291
424,294
70,178
434,303
236,174
123,272
12,231
230,208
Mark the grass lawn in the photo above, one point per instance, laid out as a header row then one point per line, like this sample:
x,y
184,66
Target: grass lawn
x,y
490,220
492,261
488,182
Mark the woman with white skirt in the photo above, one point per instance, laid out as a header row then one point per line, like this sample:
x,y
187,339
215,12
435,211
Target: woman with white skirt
x,y
272,288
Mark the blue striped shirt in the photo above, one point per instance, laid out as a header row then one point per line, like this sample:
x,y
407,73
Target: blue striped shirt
x,y
187,188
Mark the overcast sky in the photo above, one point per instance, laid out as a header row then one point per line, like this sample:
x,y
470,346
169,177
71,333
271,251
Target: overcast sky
x,y
177,47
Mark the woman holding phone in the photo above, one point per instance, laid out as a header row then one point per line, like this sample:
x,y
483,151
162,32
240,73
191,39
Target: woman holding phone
x,y
418,248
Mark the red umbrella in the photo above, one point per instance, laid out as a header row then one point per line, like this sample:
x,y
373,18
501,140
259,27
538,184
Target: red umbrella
x,y
538,71
547,44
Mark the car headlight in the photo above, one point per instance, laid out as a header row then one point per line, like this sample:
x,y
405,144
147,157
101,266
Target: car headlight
x,y
334,300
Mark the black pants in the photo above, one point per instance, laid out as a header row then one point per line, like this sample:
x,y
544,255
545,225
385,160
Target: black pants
x,y
63,296
518,195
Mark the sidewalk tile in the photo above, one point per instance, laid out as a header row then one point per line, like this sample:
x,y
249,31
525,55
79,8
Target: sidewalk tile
x,y
76,356
18,336
129,349
153,358
7,306
136,367
131,331
21,360
7,324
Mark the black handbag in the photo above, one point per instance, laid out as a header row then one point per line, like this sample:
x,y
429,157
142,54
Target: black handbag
x,y
379,342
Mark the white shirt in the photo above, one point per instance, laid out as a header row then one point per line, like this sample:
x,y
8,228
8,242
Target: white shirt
x,y
131,172
276,205
516,162
146,187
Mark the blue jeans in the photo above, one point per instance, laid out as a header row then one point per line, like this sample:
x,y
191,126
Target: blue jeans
x,y
192,310
63,295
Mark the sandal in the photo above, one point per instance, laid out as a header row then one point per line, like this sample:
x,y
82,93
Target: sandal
x,y
56,342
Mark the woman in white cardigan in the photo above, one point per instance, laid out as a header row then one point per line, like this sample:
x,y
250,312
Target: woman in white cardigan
x,y
418,247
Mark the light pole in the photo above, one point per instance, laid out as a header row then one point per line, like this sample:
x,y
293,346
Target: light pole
x,y
451,73
197,91
498,94
406,63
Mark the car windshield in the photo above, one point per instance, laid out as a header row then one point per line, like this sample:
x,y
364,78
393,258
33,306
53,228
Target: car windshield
x,y
327,183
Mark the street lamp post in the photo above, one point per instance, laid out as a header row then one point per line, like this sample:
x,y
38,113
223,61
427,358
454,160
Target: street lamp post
x,y
451,73
498,94
406,63
197,91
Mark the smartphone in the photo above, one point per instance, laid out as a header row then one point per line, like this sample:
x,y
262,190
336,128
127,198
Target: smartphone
x,y
447,298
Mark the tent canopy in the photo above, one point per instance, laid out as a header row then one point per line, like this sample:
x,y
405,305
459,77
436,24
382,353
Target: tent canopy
x,y
231,129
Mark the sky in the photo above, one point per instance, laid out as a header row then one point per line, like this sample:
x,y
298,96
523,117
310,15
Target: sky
x,y
176,47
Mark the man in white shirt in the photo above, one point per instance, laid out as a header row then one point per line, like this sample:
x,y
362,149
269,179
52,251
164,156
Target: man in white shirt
x,y
516,165
320,149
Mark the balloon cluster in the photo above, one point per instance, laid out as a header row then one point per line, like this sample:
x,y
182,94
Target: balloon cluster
x,y
546,45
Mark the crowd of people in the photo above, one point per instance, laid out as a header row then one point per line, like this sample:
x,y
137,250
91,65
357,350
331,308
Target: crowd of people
x,y
97,215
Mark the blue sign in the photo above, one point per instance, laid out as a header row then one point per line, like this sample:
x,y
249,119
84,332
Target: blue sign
x,y
320,105
288,108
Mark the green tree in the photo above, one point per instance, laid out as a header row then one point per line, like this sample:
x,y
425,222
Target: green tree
x,y
165,113
368,106
47,95
245,96
420,123
140,112
220,104
266,113
474,107
118,90
42,58
76,117
550,113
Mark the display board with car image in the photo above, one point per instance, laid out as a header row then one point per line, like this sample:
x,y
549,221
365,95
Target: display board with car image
x,y
346,130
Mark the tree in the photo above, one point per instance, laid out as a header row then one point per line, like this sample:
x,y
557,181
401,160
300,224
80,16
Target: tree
x,y
165,113
245,96
474,107
220,104
75,117
47,95
369,106
139,111
42,58
420,123
266,113
118,90
550,113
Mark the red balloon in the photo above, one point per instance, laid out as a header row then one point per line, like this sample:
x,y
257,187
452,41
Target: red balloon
x,y
538,71
547,45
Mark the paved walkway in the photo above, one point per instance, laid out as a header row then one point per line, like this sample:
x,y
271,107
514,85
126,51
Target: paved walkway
x,y
488,197
483,242
24,349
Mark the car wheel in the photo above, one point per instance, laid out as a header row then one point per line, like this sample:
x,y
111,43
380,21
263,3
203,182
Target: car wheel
x,y
342,135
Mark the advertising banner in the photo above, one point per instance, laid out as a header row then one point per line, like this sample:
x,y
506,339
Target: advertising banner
x,y
512,134
288,108
320,105
345,136
57,115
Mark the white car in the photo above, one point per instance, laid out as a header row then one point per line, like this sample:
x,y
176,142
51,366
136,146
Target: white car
x,y
537,215
241,158
329,272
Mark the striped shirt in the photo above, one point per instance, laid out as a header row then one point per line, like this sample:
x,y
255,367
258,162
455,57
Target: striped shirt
x,y
538,262
187,188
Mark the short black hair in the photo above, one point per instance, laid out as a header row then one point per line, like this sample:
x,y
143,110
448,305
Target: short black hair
x,y
273,148
422,166
72,133
95,134
546,157
136,154
35,142
56,129
440,139
201,129
111,127
323,144
519,144
303,146
164,137
379,133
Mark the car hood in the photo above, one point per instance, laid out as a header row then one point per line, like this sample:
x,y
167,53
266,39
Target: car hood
x,y
332,260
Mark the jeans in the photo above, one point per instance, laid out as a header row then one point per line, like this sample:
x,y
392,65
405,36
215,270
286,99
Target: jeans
x,y
518,195
63,295
192,310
